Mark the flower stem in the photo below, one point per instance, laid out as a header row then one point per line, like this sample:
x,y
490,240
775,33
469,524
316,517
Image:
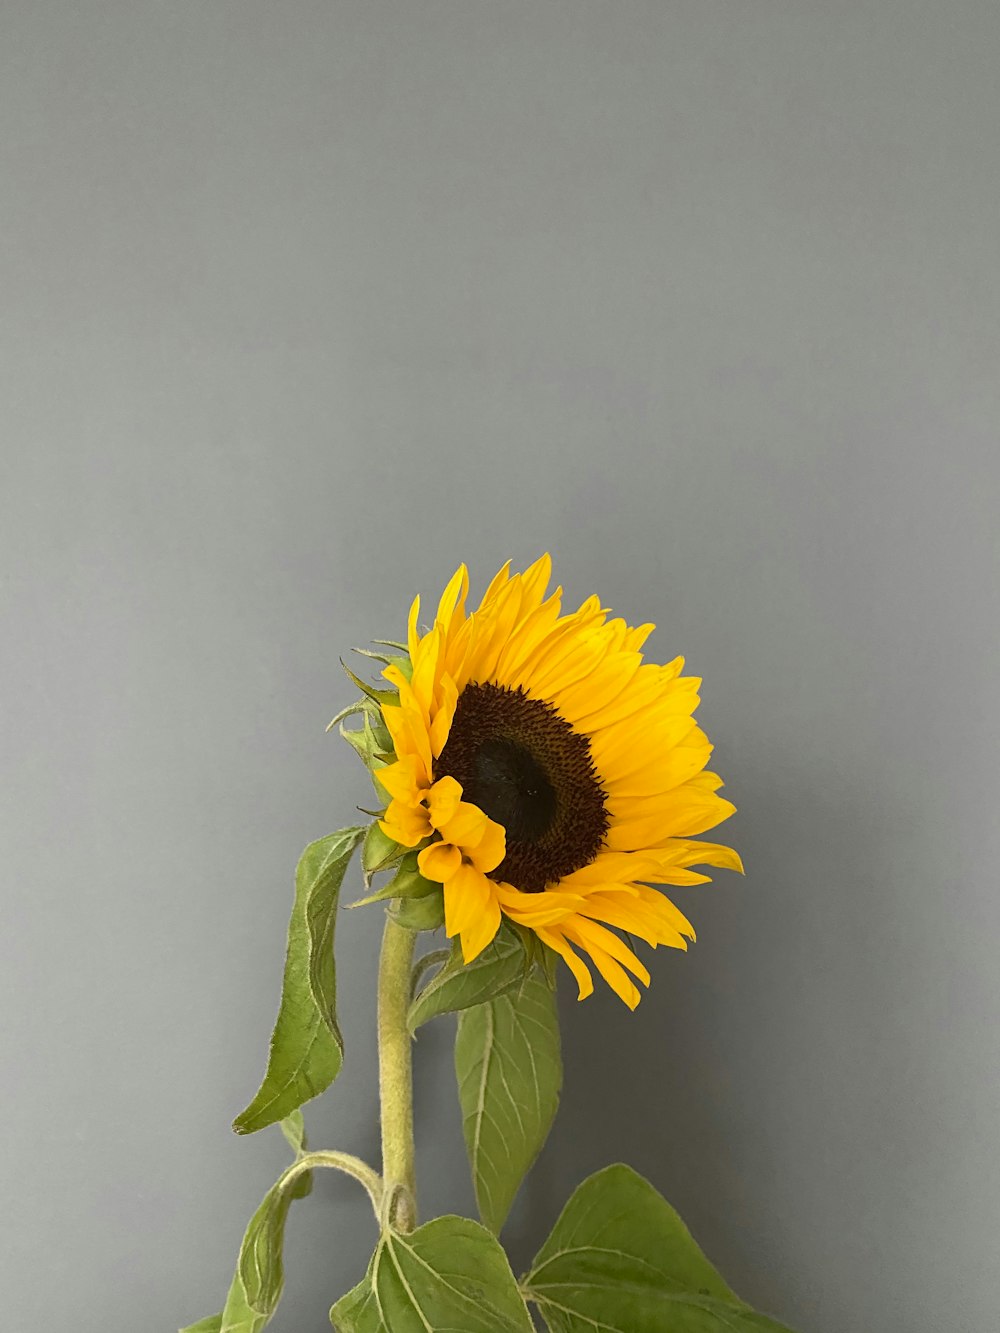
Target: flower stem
x,y
396,1075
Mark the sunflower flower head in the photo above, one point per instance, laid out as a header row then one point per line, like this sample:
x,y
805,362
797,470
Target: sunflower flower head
x,y
544,772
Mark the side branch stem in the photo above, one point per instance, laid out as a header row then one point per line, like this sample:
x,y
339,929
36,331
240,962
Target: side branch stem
x,y
340,1161
396,1074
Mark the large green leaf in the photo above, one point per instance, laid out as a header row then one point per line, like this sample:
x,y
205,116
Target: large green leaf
x,y
620,1260
460,985
307,1050
509,1077
448,1276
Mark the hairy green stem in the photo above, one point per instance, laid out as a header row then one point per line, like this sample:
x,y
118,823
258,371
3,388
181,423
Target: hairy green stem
x,y
339,1161
396,1075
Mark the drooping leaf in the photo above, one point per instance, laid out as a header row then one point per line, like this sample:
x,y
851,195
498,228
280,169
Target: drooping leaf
x,y
459,985
620,1260
306,1046
448,1276
260,1271
509,1070
260,1276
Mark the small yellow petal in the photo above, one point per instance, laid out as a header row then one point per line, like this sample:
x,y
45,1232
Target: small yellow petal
x,y
406,824
445,712
491,848
466,826
412,634
453,597
443,800
439,861
401,779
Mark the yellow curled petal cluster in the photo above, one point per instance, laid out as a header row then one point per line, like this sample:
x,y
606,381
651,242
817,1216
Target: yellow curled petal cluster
x,y
550,775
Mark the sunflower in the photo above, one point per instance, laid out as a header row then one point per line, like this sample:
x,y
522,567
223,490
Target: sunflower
x,y
550,775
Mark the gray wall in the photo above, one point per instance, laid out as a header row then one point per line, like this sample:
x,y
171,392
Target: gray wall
x,y
303,303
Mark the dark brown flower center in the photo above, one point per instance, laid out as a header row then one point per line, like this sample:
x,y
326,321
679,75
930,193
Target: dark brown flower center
x,y
526,768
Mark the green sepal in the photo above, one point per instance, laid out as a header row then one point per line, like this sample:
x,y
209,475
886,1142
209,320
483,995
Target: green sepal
x,y
403,665
402,662
211,1324
500,967
379,696
619,1257
509,1070
369,743
407,882
448,1274
306,1050
423,912
376,657
379,852
358,706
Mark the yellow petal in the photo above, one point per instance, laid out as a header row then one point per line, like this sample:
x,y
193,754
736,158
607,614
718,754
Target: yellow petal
x,y
613,973
412,634
593,935
443,800
447,701
405,824
439,861
453,597
466,827
401,779
499,581
555,940
491,848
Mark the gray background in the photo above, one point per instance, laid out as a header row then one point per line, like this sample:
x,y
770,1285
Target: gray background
x,y
302,304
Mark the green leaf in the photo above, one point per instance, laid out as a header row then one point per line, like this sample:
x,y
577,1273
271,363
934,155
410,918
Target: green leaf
x,y
213,1324
459,985
307,1050
509,1077
260,1271
620,1260
448,1276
